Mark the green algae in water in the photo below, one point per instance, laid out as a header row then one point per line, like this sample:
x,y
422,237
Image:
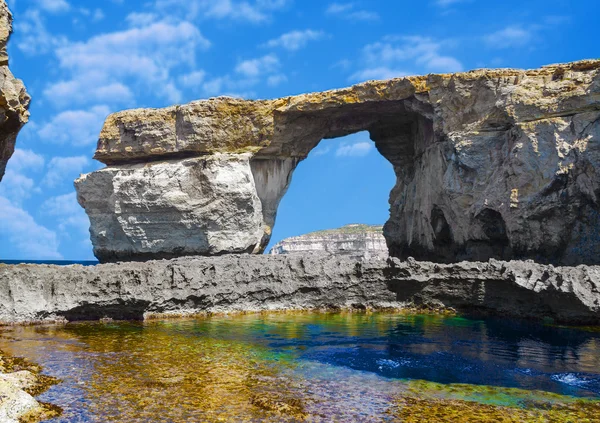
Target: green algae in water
x,y
315,367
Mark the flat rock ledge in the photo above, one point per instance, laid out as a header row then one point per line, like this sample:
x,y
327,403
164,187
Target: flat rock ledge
x,y
246,283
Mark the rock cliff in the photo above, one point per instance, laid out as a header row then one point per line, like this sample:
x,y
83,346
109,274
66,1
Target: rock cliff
x,y
242,283
14,100
489,164
357,241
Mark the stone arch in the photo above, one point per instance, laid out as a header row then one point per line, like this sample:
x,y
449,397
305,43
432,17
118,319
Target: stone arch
x,y
401,130
207,177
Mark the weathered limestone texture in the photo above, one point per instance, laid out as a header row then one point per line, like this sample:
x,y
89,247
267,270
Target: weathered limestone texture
x,y
232,283
14,100
489,163
355,240
204,205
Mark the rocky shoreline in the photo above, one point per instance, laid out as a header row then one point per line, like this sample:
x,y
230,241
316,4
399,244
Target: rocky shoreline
x,y
20,382
247,283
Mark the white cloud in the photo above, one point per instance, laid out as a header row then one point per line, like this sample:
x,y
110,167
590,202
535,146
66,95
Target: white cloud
x,y
75,127
256,67
34,38
61,205
511,36
69,213
295,40
98,15
350,12
141,19
275,80
192,79
108,68
64,170
93,87
26,238
358,149
448,3
382,72
396,52
254,12
54,6
25,160
16,186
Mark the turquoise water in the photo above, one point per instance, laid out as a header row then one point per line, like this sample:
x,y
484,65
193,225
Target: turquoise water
x,y
315,367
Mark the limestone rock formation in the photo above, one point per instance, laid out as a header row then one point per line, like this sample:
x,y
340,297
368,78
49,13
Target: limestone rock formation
x,y
14,100
243,283
204,205
489,163
355,240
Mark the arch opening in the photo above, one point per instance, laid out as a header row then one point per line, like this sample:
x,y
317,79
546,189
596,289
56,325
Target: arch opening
x,y
402,132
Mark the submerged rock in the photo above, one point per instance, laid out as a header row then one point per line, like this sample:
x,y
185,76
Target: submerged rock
x,y
14,100
358,241
489,163
245,283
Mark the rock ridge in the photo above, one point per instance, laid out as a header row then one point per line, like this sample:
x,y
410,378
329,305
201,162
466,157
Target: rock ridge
x,y
246,283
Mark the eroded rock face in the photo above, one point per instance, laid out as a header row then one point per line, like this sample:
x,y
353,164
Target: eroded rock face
x,y
204,205
243,283
14,100
489,163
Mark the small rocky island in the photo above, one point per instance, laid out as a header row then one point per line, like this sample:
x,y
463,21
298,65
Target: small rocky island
x,y
354,240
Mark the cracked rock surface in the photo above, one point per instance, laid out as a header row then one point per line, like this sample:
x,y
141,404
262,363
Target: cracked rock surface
x,y
241,283
497,163
14,100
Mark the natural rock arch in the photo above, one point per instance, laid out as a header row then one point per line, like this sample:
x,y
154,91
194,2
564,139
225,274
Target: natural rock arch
x,y
490,163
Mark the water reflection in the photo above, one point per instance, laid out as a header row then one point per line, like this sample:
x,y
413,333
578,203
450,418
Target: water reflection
x,y
292,367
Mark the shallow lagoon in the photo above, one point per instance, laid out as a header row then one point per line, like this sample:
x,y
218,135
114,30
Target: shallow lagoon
x,y
316,367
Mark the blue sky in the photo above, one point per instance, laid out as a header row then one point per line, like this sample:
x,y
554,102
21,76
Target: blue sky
x,y
81,60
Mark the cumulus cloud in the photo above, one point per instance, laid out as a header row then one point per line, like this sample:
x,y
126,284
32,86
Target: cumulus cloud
x,y
111,67
448,3
382,72
256,67
25,160
358,149
54,6
393,53
24,237
64,170
350,12
34,38
275,80
16,185
75,127
295,40
70,215
511,36
192,79
255,12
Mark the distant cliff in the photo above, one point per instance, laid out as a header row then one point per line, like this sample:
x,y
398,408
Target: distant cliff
x,y
352,240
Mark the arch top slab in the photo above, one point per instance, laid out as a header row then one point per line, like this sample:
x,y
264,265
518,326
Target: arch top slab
x,y
478,153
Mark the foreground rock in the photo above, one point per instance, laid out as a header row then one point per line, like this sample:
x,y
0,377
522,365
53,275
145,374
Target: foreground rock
x,y
489,163
356,241
20,381
242,283
14,100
